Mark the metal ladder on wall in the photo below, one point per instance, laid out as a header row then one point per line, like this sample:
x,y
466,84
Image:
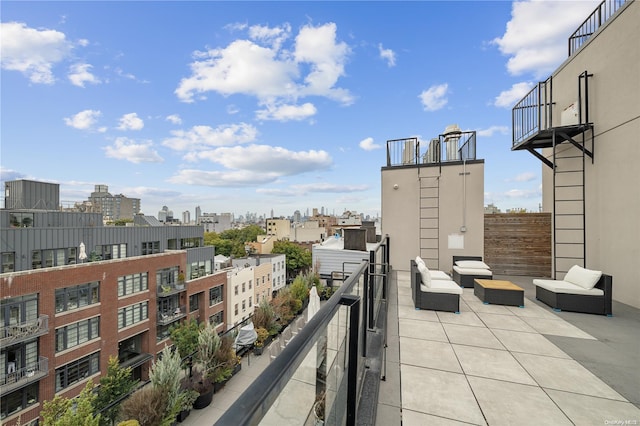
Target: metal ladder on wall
x,y
569,219
430,220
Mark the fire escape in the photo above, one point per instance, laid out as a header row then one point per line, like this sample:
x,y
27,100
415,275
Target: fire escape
x,y
565,148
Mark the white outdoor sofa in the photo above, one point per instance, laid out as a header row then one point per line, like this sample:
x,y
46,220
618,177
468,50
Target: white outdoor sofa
x,y
581,290
468,268
433,294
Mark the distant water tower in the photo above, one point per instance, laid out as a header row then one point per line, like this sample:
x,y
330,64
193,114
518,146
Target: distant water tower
x,y
451,137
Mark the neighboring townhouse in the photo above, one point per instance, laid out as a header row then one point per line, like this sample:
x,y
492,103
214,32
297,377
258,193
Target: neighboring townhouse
x,y
280,228
262,288
278,265
583,123
240,294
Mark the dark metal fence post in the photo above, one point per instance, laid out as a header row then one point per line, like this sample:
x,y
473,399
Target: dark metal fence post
x,y
352,374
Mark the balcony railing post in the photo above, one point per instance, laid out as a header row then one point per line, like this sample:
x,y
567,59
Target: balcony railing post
x,y
352,373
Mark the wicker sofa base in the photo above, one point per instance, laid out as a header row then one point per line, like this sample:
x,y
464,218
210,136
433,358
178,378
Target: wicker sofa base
x,y
447,302
600,305
466,281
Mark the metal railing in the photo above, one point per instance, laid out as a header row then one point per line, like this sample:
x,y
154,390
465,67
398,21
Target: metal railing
x,y
165,290
600,15
533,112
324,364
168,317
15,333
459,146
15,379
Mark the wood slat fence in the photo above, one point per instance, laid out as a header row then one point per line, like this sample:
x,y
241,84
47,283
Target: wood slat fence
x,y
518,243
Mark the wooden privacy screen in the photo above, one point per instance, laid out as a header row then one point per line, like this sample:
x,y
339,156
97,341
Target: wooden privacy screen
x,y
518,243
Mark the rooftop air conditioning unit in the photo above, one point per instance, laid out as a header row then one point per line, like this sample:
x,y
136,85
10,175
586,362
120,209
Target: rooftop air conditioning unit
x,y
432,153
451,137
409,152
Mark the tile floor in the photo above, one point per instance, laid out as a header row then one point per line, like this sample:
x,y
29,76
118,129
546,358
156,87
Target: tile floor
x,y
490,365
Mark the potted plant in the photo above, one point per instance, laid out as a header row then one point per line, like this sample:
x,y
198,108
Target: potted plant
x,y
203,387
188,398
225,360
180,283
147,405
208,345
165,375
258,345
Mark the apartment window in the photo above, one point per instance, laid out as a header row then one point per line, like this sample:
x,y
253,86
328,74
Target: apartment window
x,y
236,290
167,276
274,267
199,269
243,287
8,262
186,243
250,302
111,251
193,302
134,283
216,319
133,314
77,333
235,309
19,400
21,220
78,296
215,295
150,247
263,279
75,371
250,284
244,305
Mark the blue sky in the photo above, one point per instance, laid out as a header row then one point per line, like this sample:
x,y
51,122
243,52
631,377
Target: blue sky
x,y
266,106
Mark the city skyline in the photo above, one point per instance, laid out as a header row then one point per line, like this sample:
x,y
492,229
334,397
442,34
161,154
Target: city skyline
x,y
253,107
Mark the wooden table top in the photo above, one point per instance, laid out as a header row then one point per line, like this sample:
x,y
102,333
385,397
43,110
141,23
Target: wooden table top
x,y
498,284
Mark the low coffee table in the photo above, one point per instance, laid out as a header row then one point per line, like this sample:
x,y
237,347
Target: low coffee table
x,y
498,292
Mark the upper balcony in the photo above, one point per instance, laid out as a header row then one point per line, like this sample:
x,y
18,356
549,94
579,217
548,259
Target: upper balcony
x,y
600,15
452,146
16,333
167,317
169,289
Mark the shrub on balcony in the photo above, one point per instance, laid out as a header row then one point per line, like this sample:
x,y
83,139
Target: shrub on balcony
x,y
148,407
184,336
165,375
264,316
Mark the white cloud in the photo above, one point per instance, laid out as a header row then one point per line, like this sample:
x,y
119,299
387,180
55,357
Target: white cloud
x,y
205,137
174,119
130,121
266,159
84,120
31,51
508,98
79,74
273,74
286,112
503,130
525,177
388,55
368,145
224,179
434,97
536,36
232,109
132,151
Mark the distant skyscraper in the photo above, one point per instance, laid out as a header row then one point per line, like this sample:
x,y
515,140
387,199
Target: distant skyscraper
x,y
114,207
297,216
198,214
186,217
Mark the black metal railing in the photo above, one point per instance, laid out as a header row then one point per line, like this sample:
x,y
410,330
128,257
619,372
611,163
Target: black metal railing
x,y
15,333
600,15
325,362
533,112
458,146
20,377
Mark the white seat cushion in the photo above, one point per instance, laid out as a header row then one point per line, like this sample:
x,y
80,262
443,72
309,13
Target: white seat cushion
x,y
419,260
439,275
559,286
585,278
424,274
442,286
474,264
472,271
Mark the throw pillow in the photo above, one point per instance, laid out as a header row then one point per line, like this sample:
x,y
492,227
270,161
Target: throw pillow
x,y
585,278
474,264
424,273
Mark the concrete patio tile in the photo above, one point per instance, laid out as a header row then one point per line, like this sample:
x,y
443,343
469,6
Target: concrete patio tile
x,y
565,375
389,392
427,330
505,403
388,415
473,336
505,322
404,290
583,410
410,312
405,299
430,391
532,310
557,327
428,354
477,306
492,364
463,318
532,343
414,418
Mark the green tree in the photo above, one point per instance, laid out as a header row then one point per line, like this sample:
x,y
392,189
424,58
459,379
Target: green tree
x,y
298,258
184,336
60,411
117,383
165,376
